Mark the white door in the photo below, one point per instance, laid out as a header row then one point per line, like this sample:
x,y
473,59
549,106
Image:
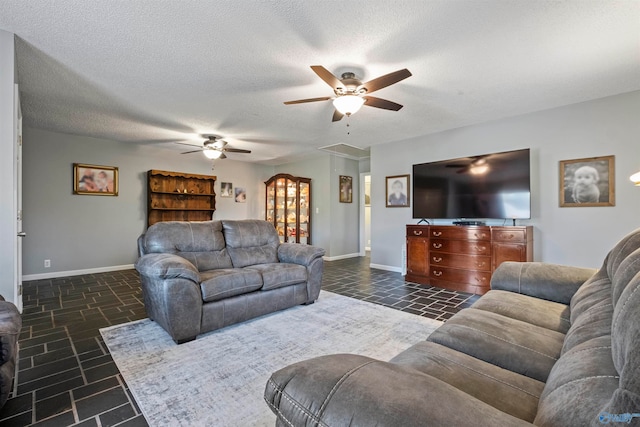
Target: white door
x,y
18,181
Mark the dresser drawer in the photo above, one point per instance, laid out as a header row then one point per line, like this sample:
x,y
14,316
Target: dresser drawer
x,y
465,262
476,278
462,233
417,231
508,235
461,246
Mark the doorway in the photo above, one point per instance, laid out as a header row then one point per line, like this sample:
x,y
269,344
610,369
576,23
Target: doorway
x,y
365,213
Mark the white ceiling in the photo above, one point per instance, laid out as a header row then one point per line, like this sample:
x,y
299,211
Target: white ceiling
x,y
160,71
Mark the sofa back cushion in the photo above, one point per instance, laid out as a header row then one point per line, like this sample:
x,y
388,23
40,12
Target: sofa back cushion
x,y
201,243
251,242
598,373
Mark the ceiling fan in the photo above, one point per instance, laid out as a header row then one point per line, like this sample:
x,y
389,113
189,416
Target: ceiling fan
x,y
214,148
351,93
477,166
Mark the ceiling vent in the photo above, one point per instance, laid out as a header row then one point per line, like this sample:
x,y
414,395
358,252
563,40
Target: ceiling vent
x,y
348,151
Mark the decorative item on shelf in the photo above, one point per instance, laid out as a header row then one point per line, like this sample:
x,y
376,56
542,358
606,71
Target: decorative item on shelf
x,y
397,191
635,178
95,180
587,182
346,189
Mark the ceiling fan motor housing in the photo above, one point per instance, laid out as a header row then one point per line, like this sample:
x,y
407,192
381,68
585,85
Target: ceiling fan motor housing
x,y
352,85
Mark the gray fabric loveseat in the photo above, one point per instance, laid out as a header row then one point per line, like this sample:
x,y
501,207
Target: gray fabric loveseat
x,y
549,345
201,276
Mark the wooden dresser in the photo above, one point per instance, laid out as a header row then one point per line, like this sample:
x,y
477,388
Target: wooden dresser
x,y
462,258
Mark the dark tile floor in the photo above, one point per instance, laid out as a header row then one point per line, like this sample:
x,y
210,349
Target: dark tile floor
x,y
65,375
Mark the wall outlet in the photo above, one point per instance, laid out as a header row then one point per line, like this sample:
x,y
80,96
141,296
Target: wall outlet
x,y
47,263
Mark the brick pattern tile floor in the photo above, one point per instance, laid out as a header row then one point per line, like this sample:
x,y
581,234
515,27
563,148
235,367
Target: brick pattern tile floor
x,y
67,377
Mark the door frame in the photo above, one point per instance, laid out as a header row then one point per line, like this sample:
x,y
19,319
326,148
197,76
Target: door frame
x,y
363,244
17,295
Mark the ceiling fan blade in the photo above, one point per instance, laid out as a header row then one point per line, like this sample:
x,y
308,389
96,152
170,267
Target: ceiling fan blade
x,y
381,103
386,80
337,116
327,76
194,151
236,150
190,145
301,101
222,156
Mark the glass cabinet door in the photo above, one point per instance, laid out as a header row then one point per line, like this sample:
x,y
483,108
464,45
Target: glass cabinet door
x,y
303,215
288,207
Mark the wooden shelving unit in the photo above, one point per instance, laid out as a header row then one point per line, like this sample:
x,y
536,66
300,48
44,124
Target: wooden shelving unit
x,y
288,207
177,196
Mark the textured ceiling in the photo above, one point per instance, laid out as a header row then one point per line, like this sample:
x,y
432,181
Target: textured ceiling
x,y
157,72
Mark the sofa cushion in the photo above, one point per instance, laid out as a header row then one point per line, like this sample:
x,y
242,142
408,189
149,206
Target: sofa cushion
x,y
579,384
201,243
547,314
228,282
251,242
509,343
507,391
280,274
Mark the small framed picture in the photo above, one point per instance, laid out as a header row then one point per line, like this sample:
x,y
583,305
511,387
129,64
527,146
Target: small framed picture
x,y
241,195
397,194
226,189
95,180
346,189
587,182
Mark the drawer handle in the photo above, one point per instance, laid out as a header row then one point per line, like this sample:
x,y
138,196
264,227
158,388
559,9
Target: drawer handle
x,y
437,273
417,232
480,248
437,233
481,264
437,245
481,236
437,259
510,236
481,279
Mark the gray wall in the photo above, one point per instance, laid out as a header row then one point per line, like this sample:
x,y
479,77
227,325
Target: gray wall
x,y
345,217
7,168
84,232
576,236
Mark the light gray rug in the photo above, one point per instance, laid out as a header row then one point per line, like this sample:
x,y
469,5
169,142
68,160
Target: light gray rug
x,y
219,379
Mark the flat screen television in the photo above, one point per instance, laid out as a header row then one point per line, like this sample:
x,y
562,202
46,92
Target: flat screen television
x,y
490,186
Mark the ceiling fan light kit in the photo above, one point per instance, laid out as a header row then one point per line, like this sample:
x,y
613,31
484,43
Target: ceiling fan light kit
x,y
211,153
348,104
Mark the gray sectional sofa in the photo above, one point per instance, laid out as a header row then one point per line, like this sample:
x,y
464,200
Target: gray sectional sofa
x,y
201,276
549,345
10,326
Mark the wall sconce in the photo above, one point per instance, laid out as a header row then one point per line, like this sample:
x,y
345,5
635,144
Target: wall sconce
x,y
635,178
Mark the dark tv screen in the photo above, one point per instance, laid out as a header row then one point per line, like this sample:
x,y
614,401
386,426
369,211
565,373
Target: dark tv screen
x,y
491,186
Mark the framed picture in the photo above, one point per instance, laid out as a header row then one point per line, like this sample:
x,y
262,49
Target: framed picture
x,y
241,195
397,194
226,189
95,180
346,189
587,182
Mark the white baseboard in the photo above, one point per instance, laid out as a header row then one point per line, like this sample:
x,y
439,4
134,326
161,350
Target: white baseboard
x,y
386,267
56,274
337,257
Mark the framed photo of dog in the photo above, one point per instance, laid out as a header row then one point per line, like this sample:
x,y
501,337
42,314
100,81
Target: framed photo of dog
x,y
587,182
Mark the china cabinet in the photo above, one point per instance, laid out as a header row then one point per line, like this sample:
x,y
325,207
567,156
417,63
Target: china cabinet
x,y
288,207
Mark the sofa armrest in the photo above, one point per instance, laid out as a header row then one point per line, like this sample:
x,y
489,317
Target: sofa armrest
x,y
351,390
551,282
167,266
297,253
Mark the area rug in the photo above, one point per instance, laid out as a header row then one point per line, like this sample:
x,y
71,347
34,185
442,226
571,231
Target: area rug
x,y
219,379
